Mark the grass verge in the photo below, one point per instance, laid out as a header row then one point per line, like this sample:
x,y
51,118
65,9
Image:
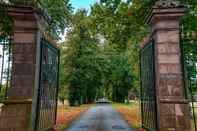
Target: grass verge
x,y
130,112
66,115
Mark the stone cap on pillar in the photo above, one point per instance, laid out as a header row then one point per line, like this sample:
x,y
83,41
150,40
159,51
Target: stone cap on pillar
x,y
166,9
29,13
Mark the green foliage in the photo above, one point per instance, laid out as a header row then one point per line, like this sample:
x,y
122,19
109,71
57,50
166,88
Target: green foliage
x,y
63,89
59,12
5,21
98,69
81,66
120,77
2,93
189,41
123,29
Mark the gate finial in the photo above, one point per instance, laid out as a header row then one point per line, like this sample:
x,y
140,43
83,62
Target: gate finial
x,y
167,4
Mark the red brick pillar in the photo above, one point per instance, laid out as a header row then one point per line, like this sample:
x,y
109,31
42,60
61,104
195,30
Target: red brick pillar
x,y
16,113
172,107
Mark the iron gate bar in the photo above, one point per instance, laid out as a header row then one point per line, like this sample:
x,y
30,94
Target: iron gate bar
x,y
148,90
57,86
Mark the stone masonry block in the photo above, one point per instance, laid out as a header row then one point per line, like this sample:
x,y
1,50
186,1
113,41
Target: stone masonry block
x,y
170,85
21,93
23,69
24,37
169,68
23,81
175,87
168,58
24,24
24,48
27,58
166,24
15,117
168,36
166,48
167,109
167,121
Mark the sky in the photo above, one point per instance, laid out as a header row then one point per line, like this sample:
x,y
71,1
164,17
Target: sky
x,y
77,4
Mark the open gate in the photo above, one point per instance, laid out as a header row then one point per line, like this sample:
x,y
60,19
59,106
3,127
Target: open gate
x,y
48,87
148,95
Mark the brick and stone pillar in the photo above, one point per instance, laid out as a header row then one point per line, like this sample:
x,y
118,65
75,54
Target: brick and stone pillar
x,y
172,107
16,113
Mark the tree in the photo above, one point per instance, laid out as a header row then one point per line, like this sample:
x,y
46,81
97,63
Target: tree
x,y
2,93
123,29
59,12
81,66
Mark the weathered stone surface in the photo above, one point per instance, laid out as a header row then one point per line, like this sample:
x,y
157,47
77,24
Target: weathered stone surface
x,y
167,121
21,48
167,109
23,69
169,68
14,117
27,58
25,24
167,36
24,37
167,24
166,48
182,116
168,58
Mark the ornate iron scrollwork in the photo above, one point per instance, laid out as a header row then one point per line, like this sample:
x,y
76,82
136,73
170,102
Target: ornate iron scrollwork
x,y
167,4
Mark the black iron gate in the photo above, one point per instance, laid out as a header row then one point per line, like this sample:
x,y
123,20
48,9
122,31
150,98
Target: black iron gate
x,y
5,66
148,96
189,51
48,87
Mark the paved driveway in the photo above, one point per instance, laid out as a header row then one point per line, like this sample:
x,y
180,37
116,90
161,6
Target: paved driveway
x,y
100,118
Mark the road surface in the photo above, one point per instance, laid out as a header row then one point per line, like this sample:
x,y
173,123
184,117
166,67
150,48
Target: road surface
x,y
100,118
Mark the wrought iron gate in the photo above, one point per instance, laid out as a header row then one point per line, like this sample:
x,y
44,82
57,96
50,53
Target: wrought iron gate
x,y
189,51
5,66
148,96
48,86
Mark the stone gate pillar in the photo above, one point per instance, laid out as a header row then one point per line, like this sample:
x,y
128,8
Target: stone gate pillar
x,y
172,107
15,115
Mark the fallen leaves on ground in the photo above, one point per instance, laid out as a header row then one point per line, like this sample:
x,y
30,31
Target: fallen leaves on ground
x,y
131,113
66,114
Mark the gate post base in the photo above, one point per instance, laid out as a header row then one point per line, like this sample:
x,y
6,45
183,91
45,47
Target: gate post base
x,y
14,115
